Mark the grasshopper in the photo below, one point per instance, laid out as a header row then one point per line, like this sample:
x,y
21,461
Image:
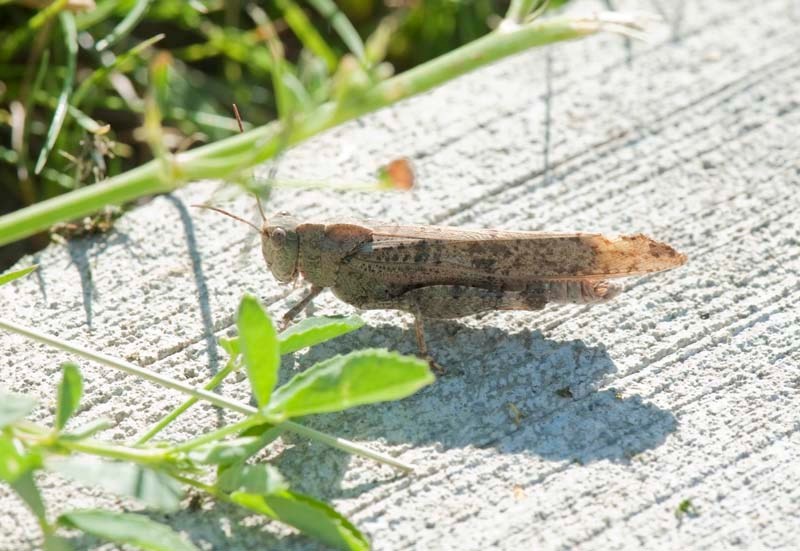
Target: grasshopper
x,y
445,272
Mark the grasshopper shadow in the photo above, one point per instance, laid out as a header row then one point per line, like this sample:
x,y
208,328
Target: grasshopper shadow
x,y
516,392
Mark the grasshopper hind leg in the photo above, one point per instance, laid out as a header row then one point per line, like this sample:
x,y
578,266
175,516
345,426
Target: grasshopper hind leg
x,y
457,301
422,346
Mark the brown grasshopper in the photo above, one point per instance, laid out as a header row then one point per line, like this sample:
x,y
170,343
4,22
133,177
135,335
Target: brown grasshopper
x,y
444,272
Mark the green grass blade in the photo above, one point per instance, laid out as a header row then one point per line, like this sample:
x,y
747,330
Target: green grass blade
x,y
362,377
11,276
260,351
71,44
11,43
41,71
519,10
285,89
308,35
125,26
126,528
70,392
343,27
103,10
101,73
85,121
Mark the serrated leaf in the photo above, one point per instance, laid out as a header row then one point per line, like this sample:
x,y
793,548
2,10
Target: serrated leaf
x,y
126,528
69,394
153,488
316,330
259,345
11,276
361,377
14,407
253,479
313,518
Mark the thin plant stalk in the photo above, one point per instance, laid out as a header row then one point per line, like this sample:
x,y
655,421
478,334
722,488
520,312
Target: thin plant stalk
x,y
227,157
217,400
175,413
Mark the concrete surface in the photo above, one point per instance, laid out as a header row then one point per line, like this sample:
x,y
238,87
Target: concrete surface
x,y
686,387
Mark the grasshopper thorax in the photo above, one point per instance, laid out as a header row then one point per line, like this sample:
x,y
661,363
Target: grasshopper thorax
x,y
280,245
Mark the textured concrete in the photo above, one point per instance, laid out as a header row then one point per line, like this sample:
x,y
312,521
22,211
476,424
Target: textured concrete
x,y
686,387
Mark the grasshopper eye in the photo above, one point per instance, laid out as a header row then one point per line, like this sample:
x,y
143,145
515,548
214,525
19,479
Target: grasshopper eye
x,y
278,237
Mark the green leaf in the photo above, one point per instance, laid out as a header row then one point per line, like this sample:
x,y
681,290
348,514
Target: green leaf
x,y
69,394
226,452
153,488
313,518
361,377
56,543
313,331
89,429
26,487
11,276
261,479
230,345
308,332
259,345
126,528
14,461
14,407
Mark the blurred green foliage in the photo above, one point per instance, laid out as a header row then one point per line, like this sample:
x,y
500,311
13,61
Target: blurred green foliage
x,y
74,75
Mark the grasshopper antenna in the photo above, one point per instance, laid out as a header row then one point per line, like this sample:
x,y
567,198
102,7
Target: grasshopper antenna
x,y
226,213
260,207
255,195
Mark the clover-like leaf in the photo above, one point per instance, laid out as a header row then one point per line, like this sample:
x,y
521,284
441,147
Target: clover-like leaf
x,y
126,528
361,377
259,345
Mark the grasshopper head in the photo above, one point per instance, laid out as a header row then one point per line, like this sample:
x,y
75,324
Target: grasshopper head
x,y
280,245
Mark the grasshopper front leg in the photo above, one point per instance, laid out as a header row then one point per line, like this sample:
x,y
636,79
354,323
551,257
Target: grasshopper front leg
x,y
297,308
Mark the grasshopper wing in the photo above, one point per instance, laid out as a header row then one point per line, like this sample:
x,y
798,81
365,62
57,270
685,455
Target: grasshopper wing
x,y
438,255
